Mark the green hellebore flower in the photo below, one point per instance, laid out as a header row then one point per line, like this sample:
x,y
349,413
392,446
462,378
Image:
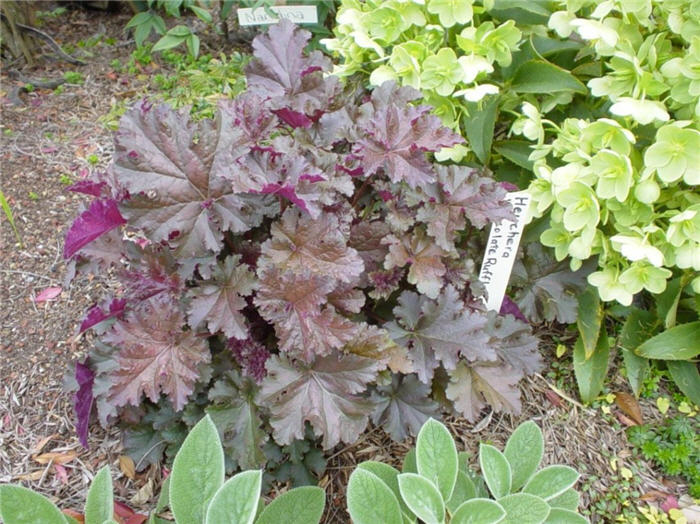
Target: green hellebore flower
x,y
615,174
647,191
605,133
385,23
609,286
684,226
675,154
642,275
558,238
442,72
688,255
581,246
636,248
642,111
542,197
581,207
452,12
405,61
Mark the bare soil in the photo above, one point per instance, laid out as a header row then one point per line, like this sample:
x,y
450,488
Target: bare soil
x,y
54,134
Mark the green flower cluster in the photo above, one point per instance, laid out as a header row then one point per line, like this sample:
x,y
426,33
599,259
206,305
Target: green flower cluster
x,y
625,189
445,48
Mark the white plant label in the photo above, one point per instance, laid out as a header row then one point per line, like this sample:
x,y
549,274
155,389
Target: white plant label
x,y
501,250
299,14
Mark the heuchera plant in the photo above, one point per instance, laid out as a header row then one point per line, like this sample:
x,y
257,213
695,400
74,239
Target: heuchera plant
x,y
298,259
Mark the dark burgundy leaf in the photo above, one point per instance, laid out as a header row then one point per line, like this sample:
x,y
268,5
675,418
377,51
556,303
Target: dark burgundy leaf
x,y
83,400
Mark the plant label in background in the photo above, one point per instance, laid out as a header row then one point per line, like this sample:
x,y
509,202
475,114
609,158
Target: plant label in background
x,y
501,250
299,14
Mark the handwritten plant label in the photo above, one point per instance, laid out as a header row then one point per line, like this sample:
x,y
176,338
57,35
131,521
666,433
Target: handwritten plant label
x,y
501,250
299,14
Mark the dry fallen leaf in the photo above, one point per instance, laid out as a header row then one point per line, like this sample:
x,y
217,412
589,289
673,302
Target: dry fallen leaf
x,y
126,464
61,473
34,475
42,443
554,398
630,407
143,495
55,458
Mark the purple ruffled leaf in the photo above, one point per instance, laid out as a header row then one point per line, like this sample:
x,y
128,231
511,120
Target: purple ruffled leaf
x,y
101,217
87,187
508,307
293,118
83,400
95,314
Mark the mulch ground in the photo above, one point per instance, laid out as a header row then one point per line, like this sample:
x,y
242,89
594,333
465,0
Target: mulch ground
x,y
51,136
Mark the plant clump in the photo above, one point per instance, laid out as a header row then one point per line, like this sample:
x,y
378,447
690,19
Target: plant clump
x,y
298,264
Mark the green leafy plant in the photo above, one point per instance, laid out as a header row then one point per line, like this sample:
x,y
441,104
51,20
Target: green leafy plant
x,y
196,492
9,215
146,22
674,445
436,485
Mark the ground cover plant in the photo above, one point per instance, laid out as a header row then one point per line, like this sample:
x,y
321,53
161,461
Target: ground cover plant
x,y
195,492
437,486
296,266
592,106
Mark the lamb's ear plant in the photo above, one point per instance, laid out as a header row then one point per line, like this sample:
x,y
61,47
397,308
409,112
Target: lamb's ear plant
x,y
195,491
437,487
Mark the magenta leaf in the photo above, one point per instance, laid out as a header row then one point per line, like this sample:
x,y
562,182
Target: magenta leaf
x,y
155,356
397,137
83,400
508,307
47,294
102,216
96,314
325,393
218,302
87,187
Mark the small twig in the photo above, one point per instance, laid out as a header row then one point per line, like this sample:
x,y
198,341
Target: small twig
x,y
28,273
562,394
